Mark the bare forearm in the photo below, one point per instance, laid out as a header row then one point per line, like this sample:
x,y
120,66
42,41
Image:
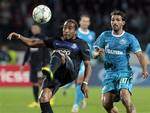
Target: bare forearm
x,y
87,72
26,41
142,61
31,42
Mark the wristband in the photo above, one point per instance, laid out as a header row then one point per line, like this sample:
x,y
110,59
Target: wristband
x,y
84,82
19,36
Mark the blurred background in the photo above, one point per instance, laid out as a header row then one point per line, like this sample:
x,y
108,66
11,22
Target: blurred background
x,y
16,16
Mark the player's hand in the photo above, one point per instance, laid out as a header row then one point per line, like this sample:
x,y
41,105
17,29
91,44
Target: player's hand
x,y
13,35
145,74
98,52
84,89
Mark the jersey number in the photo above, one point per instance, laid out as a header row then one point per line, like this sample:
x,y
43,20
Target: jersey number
x,y
123,80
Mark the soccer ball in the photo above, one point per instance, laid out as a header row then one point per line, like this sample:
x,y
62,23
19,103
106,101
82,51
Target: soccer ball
x,y
41,14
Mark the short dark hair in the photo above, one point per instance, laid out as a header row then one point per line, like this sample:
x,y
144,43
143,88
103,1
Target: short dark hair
x,y
121,13
74,22
85,15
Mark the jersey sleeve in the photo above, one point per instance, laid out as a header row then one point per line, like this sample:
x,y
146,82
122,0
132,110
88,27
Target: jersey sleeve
x,y
135,46
49,43
99,43
94,37
85,51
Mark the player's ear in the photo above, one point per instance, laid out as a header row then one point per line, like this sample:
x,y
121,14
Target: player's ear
x,y
123,23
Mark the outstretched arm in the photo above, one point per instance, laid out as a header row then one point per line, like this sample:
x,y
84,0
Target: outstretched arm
x,y
143,63
27,41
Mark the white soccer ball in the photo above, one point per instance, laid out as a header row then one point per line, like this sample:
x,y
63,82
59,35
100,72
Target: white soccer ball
x,y
41,14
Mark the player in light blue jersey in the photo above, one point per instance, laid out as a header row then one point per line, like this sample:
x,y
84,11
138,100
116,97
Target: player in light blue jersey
x,y
89,36
147,51
116,46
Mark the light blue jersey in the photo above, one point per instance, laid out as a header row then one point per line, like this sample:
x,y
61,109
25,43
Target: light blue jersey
x,y
89,37
147,51
117,48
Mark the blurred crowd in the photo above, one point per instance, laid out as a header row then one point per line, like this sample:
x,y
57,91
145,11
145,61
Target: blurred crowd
x,y
137,13
16,15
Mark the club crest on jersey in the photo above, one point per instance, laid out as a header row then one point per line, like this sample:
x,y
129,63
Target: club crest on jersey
x,y
123,41
74,46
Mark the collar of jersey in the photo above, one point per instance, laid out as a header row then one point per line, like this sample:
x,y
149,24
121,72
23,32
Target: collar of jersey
x,y
87,32
118,35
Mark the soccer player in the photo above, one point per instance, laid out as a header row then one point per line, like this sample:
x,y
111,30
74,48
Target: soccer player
x,y
42,55
68,52
87,35
147,51
117,45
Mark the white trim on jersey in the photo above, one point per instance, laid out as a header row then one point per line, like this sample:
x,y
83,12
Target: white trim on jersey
x,y
118,35
84,32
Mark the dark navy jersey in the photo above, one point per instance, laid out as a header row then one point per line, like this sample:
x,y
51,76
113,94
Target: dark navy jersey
x,y
38,56
76,49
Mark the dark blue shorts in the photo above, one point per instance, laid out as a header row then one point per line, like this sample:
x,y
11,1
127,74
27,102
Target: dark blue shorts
x,y
64,75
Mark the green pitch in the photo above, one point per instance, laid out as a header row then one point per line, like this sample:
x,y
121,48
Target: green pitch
x,y
15,100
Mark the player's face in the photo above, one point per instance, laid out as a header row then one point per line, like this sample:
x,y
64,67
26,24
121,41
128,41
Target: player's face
x,y
69,30
84,22
35,29
117,23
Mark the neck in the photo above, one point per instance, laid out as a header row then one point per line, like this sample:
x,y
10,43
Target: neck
x,y
84,29
119,32
63,38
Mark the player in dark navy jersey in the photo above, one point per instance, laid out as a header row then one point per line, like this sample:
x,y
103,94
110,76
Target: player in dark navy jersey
x,y
68,53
